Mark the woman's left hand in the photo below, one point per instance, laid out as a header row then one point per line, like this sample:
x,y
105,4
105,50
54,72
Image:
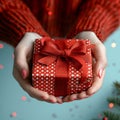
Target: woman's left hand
x,y
99,65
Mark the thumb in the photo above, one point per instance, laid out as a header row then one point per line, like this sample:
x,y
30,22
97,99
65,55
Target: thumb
x,y
98,68
21,63
100,62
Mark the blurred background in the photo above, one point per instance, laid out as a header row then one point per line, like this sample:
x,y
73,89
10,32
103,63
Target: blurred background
x,y
15,104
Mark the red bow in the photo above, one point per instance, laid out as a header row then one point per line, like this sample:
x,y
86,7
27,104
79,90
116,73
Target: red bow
x,y
60,53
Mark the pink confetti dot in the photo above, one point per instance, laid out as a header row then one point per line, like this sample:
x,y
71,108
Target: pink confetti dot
x,y
100,116
1,66
24,98
1,45
50,13
111,105
13,56
13,114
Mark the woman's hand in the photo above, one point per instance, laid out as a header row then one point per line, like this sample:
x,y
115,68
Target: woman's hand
x,y
99,65
21,71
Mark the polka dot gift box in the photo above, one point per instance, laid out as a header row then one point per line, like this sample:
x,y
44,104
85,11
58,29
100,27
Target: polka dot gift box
x,y
62,66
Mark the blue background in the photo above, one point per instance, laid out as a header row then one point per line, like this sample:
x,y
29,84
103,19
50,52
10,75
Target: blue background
x,y
30,109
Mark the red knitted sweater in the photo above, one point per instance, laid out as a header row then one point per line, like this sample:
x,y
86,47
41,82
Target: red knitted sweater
x,y
57,18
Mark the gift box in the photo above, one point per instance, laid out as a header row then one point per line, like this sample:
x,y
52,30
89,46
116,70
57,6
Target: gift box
x,y
62,66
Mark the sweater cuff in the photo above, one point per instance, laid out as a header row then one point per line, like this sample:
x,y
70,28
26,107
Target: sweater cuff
x,y
15,20
102,20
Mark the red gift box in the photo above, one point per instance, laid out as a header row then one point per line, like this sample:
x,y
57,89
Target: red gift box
x,y
62,66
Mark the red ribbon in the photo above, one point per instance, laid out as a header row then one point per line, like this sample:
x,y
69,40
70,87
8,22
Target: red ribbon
x,y
57,50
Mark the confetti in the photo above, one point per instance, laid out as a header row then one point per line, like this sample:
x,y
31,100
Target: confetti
x,y
111,105
70,110
54,115
50,13
113,45
13,56
13,114
1,45
76,106
114,64
1,66
105,118
100,116
23,98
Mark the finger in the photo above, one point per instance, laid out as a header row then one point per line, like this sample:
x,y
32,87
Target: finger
x,y
66,98
35,93
21,62
99,53
97,84
40,95
73,97
59,100
82,95
25,84
52,99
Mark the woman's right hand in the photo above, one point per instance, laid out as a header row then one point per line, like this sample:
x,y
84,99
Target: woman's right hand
x,y
99,66
21,71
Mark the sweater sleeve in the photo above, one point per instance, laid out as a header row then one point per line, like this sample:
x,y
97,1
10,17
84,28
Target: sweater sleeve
x,y
16,19
99,16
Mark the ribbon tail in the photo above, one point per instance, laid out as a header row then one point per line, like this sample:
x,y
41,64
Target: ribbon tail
x,y
47,60
62,78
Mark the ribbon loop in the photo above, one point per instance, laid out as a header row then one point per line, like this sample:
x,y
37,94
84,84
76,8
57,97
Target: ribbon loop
x,y
54,52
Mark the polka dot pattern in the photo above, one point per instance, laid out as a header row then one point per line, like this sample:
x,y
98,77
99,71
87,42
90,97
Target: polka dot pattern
x,y
74,84
43,77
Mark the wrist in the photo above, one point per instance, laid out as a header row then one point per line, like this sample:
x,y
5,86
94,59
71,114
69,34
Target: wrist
x,y
32,36
88,35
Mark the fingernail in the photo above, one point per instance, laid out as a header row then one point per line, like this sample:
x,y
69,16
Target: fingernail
x,y
74,99
100,73
60,102
52,101
92,94
24,73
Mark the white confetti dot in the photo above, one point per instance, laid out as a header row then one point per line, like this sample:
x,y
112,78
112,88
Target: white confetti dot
x,y
113,45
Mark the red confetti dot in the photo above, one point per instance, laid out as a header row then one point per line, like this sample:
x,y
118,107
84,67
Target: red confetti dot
x,y
105,118
50,13
1,66
111,105
13,114
1,45
24,98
